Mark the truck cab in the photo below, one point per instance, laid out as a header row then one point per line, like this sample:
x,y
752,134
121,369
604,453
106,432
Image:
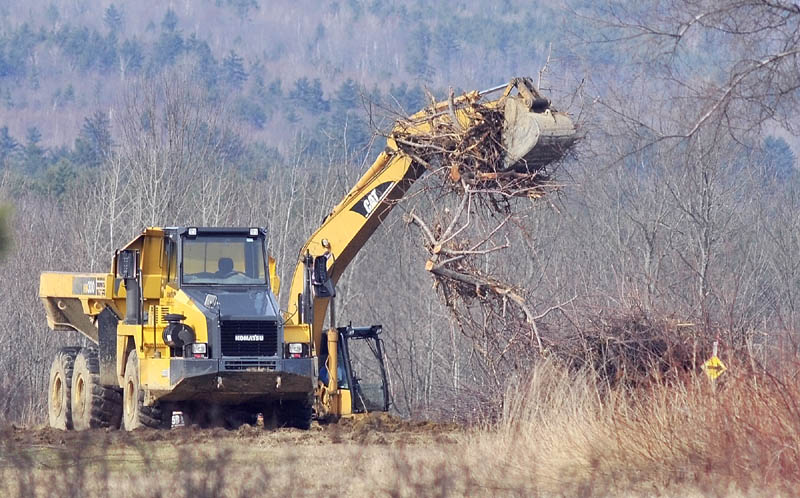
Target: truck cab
x,y
238,335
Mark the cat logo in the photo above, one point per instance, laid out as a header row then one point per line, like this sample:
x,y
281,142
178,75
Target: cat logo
x,y
367,204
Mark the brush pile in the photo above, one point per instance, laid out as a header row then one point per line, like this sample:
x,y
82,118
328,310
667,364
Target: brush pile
x,y
498,149
632,347
484,160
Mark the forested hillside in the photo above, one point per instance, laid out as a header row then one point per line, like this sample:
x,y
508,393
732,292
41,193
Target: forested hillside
x,y
677,211
284,70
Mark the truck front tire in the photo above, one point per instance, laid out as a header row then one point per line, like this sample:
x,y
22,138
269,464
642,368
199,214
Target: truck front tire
x,y
134,413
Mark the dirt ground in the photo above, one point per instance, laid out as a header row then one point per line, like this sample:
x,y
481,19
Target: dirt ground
x,y
376,455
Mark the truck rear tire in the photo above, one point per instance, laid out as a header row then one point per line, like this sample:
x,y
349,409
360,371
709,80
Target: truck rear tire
x,y
93,405
134,413
59,389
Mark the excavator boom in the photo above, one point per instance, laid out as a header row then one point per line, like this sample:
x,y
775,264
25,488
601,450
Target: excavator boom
x,y
533,133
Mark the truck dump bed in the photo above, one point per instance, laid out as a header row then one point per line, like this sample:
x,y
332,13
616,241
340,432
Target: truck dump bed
x,y
73,300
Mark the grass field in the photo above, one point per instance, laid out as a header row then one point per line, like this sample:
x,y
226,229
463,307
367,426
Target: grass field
x,y
560,435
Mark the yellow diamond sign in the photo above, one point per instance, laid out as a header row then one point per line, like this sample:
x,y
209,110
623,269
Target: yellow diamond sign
x,y
714,367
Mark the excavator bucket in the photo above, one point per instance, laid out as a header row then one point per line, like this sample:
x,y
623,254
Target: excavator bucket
x,y
497,146
534,134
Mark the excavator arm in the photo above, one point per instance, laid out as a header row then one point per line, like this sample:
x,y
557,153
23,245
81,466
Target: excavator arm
x,y
353,221
350,225
531,128
530,124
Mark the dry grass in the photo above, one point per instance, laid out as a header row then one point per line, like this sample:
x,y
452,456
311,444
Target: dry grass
x,y
362,458
560,435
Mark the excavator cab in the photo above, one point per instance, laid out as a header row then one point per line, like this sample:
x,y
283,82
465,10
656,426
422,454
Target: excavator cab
x,y
360,370
361,349
355,380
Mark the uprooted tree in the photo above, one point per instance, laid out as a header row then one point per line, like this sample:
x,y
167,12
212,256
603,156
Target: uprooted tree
x,y
486,168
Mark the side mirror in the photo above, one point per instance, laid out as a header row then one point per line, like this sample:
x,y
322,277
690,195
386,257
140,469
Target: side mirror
x,y
323,285
128,270
127,264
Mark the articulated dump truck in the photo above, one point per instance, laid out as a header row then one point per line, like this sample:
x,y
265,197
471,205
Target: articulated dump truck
x,y
187,318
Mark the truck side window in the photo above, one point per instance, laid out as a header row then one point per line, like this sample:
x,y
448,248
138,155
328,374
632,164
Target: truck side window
x,y
172,266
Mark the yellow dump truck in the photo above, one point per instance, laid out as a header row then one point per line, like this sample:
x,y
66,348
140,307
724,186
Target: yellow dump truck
x,y
187,319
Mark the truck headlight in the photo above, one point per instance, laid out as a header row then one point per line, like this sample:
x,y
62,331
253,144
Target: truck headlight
x,y
199,349
296,350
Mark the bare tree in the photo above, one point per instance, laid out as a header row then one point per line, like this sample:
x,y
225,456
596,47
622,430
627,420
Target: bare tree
x,y
175,140
730,65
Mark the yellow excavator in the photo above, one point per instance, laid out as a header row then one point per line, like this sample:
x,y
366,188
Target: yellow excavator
x,y
188,321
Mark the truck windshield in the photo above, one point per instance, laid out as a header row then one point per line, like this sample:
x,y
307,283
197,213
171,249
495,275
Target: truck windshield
x,y
223,259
